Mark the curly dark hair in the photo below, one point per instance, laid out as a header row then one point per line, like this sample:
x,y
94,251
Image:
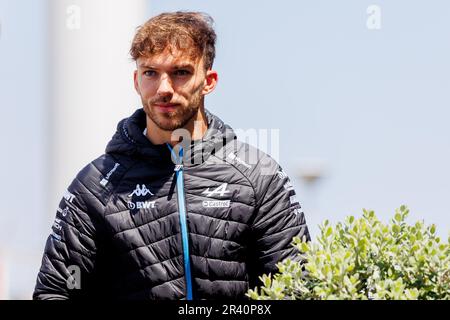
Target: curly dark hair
x,y
191,32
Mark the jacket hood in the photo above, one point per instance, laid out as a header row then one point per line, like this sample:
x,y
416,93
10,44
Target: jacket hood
x,y
129,140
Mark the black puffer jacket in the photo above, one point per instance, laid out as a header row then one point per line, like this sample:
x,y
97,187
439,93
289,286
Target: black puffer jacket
x,y
133,225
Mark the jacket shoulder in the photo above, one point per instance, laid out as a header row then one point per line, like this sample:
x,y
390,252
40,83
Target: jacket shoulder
x,y
257,166
96,181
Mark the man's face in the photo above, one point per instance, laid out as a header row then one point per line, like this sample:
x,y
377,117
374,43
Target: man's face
x,y
172,86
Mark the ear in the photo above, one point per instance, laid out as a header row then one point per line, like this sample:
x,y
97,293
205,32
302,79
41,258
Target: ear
x,y
136,82
210,81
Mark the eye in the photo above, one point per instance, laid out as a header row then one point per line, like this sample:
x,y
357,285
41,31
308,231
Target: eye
x,y
182,72
149,73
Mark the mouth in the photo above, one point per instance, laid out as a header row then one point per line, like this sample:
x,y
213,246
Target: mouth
x,y
166,107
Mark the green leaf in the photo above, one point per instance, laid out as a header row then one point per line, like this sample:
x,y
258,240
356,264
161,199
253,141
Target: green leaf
x,y
305,247
433,229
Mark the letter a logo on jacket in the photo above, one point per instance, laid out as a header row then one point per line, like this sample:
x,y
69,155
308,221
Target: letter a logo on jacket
x,y
222,189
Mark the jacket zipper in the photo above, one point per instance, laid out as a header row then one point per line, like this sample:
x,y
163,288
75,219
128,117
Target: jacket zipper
x,y
183,221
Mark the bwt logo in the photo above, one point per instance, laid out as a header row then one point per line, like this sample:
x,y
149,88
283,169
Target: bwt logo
x,y
141,205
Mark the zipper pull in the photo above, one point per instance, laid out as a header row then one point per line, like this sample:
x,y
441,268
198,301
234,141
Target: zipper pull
x,y
178,167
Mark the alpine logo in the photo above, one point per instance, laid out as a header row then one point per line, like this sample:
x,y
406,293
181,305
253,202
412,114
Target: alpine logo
x,y
141,205
220,190
140,191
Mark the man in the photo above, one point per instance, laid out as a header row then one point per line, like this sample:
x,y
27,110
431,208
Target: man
x,y
177,207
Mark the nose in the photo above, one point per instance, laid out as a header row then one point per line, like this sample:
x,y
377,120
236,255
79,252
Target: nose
x,y
165,88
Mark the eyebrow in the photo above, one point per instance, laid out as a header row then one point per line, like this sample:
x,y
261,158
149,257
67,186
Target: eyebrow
x,y
184,66
176,67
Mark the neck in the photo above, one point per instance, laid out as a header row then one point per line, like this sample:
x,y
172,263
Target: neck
x,y
196,127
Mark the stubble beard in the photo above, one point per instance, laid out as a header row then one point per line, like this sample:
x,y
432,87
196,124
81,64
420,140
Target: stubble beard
x,y
173,120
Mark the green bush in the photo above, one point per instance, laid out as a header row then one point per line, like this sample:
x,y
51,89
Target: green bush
x,y
364,259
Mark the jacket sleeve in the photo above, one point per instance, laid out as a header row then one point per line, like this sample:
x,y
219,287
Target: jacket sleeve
x,y
277,220
70,250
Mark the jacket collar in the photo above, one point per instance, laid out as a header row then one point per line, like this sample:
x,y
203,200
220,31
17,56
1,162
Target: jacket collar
x,y
129,140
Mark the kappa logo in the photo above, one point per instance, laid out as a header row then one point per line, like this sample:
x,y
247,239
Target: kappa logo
x,y
140,191
220,190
